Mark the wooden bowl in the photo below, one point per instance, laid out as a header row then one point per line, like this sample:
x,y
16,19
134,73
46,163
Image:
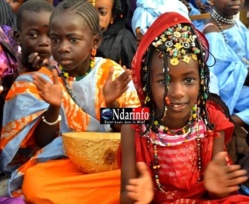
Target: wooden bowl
x,y
92,152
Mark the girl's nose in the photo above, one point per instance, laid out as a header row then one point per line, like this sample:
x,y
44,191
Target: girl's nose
x,y
176,90
44,41
64,47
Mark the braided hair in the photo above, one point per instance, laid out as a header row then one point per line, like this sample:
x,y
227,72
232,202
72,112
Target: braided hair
x,y
32,6
165,44
118,8
82,8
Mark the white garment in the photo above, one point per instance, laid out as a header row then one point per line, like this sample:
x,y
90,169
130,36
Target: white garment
x,y
147,12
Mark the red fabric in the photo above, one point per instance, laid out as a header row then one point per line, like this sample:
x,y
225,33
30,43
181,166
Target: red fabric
x,y
219,120
163,22
183,187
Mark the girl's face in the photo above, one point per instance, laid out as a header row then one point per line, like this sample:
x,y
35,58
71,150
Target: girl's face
x,y
183,90
14,4
228,8
71,41
34,36
104,8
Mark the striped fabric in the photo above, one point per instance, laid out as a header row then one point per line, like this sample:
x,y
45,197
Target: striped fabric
x,y
24,108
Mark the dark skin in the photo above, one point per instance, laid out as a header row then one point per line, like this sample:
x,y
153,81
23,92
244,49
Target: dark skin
x,y
34,40
69,40
136,183
52,112
227,9
36,51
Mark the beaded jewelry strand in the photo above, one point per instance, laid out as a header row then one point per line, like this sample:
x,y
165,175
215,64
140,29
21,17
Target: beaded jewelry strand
x,y
222,19
218,18
78,78
166,130
68,79
155,165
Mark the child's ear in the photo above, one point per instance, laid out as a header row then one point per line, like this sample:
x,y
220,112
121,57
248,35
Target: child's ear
x,y
97,39
17,37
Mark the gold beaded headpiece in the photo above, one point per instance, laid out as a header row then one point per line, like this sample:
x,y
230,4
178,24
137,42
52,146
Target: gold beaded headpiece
x,y
179,43
92,2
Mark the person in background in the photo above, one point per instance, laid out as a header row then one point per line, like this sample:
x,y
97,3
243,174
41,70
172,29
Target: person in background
x,y
147,12
118,44
231,55
8,69
32,36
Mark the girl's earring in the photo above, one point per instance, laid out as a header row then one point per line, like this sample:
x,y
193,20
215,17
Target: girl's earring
x,y
93,52
111,22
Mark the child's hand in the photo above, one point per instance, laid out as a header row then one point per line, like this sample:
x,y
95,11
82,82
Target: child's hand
x,y
114,89
51,93
35,61
221,179
141,189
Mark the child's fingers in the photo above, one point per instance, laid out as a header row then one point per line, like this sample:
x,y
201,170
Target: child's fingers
x,y
126,74
32,57
131,188
236,180
234,168
123,80
143,169
132,195
39,81
55,76
110,73
133,182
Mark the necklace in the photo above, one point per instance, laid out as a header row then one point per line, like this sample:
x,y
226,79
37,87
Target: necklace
x,y
219,19
192,118
222,19
155,165
68,79
77,78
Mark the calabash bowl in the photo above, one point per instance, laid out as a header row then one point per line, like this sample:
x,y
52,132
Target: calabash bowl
x,y
92,152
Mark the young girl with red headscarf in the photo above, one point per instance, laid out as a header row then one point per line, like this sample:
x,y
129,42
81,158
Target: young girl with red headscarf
x,y
180,155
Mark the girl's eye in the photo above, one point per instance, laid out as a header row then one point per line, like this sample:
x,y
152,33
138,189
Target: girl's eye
x,y
33,35
161,81
102,13
74,40
190,80
55,40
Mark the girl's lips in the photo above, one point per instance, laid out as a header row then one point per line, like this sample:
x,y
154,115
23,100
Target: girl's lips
x,y
65,62
177,107
234,7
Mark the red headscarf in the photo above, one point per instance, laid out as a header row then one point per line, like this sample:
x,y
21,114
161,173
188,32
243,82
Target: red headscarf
x,y
162,23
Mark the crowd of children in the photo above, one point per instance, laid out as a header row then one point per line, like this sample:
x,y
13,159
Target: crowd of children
x,y
61,61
